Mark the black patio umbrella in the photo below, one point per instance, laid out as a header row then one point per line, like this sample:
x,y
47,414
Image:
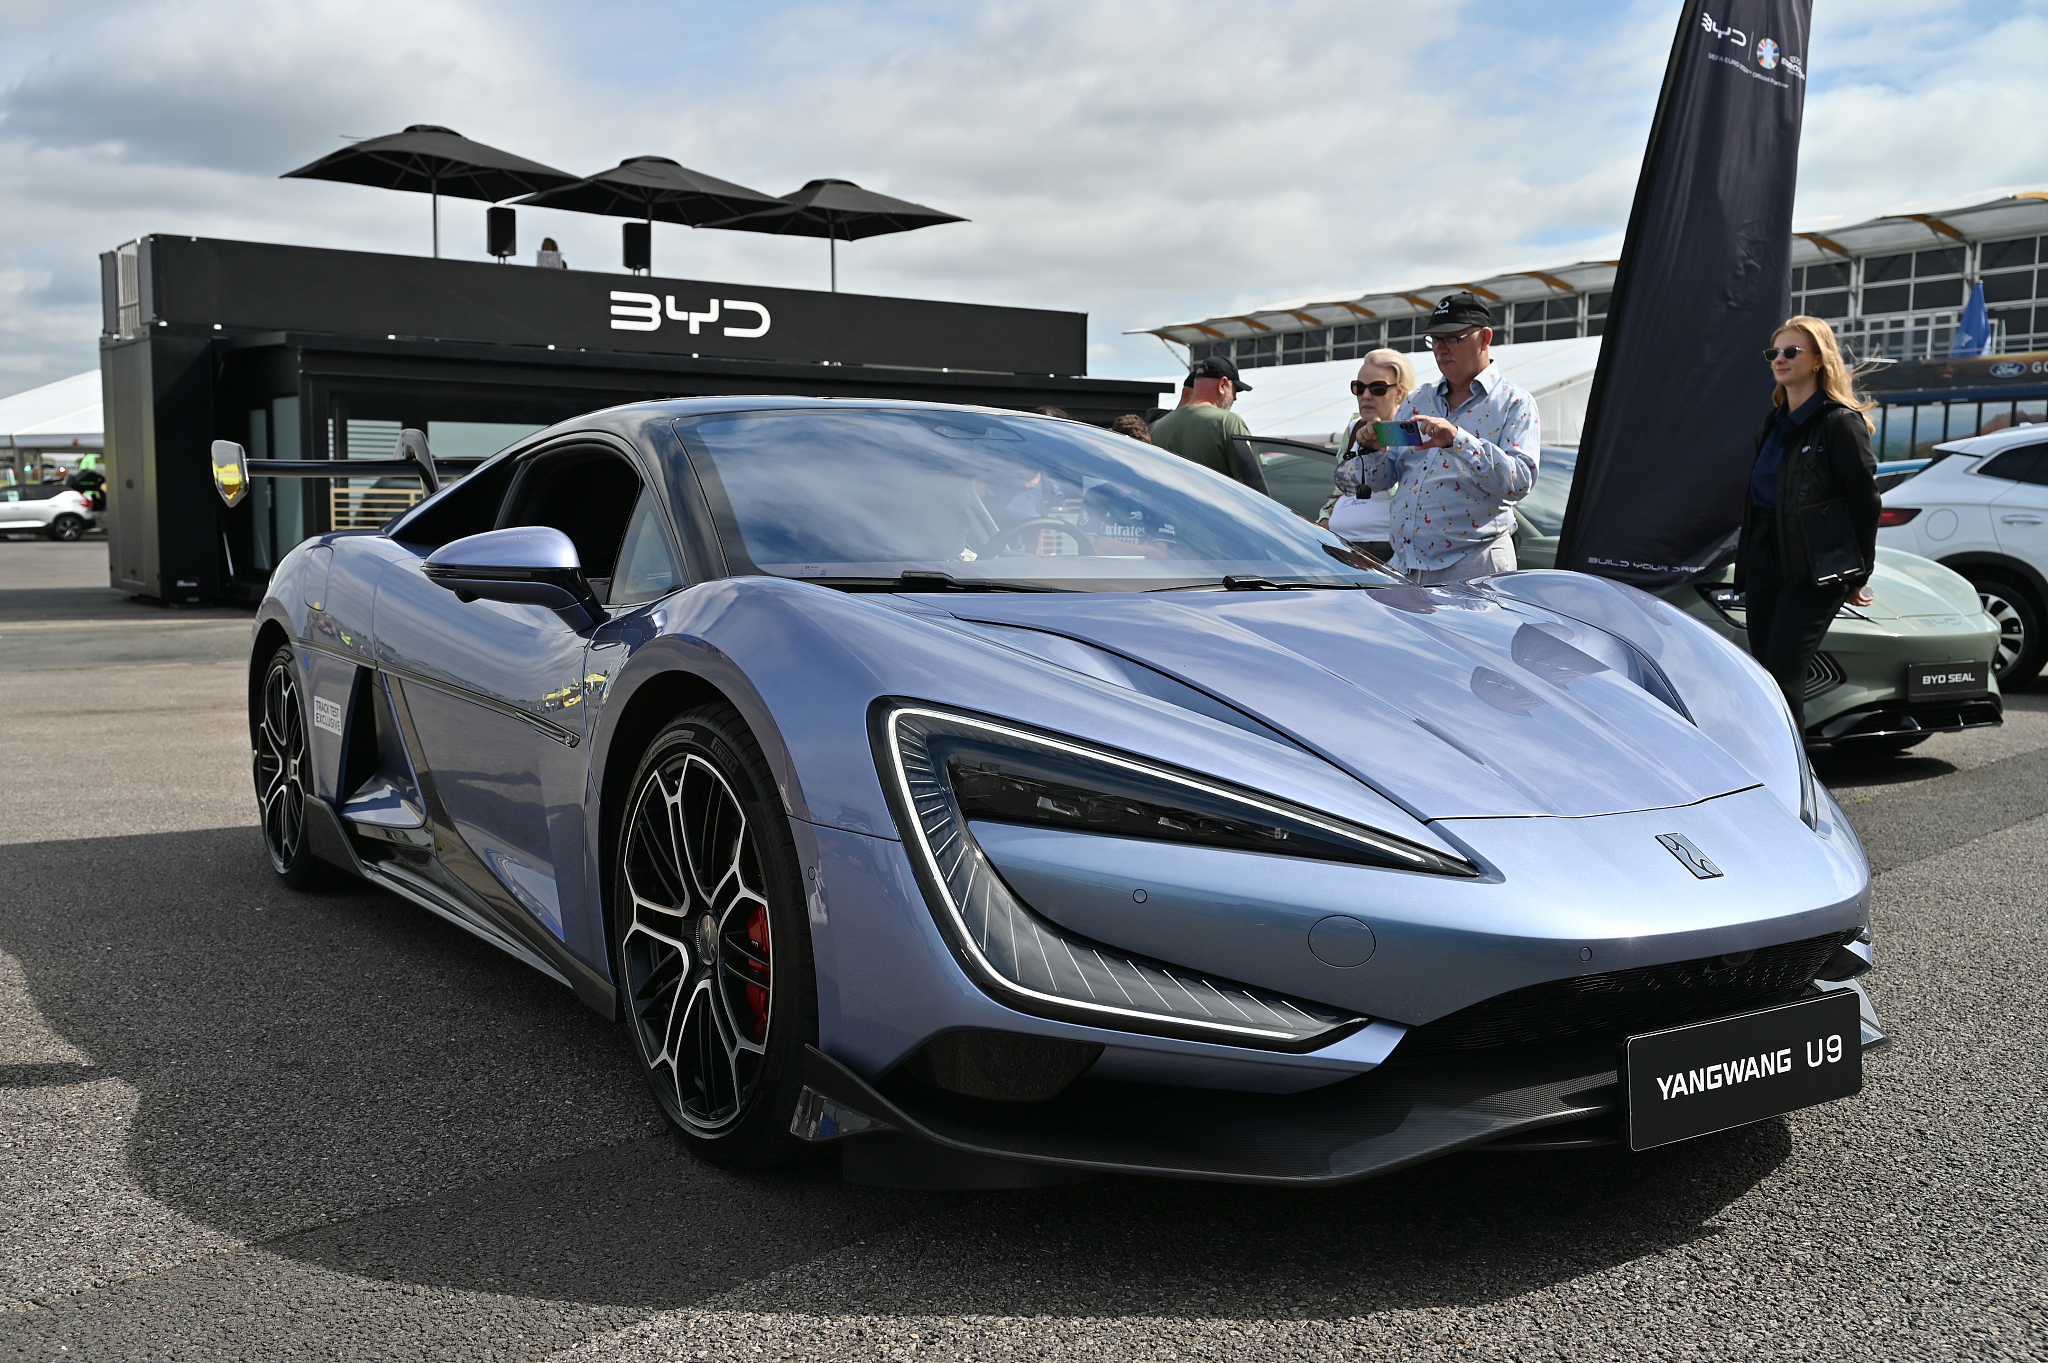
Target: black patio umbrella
x,y
432,160
838,210
654,188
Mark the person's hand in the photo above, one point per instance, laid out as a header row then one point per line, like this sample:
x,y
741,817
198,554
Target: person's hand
x,y
1324,522
1362,438
1862,596
1437,434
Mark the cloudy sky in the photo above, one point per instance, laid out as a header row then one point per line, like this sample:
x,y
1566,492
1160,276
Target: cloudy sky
x,y
1138,160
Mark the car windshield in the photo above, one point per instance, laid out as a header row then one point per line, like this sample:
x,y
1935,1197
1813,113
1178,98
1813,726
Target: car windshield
x,y
1545,503
863,496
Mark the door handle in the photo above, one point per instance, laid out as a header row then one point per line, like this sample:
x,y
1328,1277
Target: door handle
x,y
2021,520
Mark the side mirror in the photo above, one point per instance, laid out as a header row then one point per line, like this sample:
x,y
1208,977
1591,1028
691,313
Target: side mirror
x,y
230,471
530,565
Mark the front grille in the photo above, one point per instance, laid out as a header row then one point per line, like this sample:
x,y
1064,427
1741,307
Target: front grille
x,y
1624,1002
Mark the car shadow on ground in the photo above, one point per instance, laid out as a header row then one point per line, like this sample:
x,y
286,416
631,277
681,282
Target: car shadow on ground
x,y
363,1088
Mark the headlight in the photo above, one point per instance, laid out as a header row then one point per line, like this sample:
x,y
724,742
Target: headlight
x,y
944,769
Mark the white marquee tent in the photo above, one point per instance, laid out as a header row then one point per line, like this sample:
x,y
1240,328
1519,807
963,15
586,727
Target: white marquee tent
x,y
61,418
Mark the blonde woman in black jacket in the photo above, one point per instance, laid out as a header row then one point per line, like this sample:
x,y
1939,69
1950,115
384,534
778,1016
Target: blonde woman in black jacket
x,y
1809,537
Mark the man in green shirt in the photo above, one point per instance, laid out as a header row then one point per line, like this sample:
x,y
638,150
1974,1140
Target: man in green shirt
x,y
1200,429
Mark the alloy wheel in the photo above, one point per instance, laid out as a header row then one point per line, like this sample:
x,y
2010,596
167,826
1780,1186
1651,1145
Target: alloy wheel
x,y
2012,628
281,765
698,950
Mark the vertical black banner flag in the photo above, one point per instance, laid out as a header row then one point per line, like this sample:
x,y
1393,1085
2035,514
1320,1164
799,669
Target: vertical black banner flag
x,y
1682,388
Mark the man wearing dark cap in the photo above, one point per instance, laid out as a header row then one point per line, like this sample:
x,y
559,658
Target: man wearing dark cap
x,y
1480,433
1200,429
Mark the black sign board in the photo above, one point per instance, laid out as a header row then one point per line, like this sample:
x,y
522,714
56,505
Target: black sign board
x,y
1947,681
1710,1076
241,285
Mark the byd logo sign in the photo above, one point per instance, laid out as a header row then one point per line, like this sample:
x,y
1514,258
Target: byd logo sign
x,y
644,312
1768,54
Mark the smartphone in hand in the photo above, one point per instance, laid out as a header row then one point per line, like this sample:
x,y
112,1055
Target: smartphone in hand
x,y
1396,434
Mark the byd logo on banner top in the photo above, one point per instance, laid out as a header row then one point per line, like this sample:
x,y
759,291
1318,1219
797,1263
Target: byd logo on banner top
x,y
643,312
1768,54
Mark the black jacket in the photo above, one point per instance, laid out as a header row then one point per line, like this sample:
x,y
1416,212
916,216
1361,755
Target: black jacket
x,y
1827,457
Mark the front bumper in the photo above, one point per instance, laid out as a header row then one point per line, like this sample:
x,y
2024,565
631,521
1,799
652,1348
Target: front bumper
x,y
1409,1110
1897,719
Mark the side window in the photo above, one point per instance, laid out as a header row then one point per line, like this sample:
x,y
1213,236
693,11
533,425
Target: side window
x,y
647,563
586,493
2023,465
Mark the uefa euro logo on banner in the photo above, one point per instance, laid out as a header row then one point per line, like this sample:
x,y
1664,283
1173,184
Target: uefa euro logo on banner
x,y
1767,54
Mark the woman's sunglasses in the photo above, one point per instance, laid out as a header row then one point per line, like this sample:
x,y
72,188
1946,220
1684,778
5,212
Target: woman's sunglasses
x,y
1790,352
1378,388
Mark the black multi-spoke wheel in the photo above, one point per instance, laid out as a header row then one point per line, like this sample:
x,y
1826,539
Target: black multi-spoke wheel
x,y
712,949
283,771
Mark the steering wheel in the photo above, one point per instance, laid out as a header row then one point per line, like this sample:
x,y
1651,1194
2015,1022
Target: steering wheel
x,y
1000,540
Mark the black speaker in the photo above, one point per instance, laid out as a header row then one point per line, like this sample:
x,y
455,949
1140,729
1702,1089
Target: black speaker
x,y
639,238
501,232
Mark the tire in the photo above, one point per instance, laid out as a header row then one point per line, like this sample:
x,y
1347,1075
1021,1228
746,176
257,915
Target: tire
x,y
67,529
2022,648
710,941
283,765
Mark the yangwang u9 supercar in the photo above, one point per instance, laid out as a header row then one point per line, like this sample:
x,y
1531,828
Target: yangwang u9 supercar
x,y
1003,801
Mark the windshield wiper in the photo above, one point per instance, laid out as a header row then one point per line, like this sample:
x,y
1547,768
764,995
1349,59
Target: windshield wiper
x,y
918,580
1248,582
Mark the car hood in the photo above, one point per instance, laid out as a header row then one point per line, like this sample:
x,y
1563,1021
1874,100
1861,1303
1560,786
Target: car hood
x,y
1907,586
1456,703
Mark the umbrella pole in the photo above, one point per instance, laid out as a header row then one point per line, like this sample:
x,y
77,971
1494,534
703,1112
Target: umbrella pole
x,y
435,186
834,239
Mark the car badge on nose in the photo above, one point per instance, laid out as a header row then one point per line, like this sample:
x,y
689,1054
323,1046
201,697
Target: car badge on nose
x,y
1680,846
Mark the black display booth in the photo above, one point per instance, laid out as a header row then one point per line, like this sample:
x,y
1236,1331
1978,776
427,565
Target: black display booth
x,y
310,354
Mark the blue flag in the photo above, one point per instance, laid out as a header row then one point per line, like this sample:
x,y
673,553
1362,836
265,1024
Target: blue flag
x,y
1973,331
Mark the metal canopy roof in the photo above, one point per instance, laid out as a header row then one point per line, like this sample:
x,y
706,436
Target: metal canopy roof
x,y
2011,215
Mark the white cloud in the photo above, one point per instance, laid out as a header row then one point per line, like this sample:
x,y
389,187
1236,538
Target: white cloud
x,y
1139,160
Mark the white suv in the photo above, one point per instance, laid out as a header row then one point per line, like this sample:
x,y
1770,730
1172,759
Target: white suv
x,y
62,513
1981,508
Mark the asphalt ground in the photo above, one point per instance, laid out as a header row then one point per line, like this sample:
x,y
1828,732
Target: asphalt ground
x,y
241,1123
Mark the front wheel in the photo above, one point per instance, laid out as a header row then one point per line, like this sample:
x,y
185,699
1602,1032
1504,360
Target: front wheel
x,y
67,529
2020,642
711,947
284,773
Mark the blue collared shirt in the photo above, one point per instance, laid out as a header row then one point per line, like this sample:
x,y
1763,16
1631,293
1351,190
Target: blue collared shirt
x,y
1770,457
1453,500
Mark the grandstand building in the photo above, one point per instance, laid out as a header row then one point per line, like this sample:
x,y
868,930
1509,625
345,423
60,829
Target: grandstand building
x,y
1892,286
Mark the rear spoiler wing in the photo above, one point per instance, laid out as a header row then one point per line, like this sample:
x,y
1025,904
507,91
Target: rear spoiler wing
x,y
233,468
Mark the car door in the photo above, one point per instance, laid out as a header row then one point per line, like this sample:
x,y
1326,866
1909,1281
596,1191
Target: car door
x,y
14,512
2019,514
493,695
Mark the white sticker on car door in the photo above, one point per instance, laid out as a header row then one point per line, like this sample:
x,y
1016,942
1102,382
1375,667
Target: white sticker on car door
x,y
327,715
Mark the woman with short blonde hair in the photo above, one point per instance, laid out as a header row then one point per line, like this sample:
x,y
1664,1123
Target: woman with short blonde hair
x,y
1385,378
1809,535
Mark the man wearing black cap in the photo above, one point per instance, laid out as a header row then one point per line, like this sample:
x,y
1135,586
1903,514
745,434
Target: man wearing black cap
x,y
1480,436
1200,429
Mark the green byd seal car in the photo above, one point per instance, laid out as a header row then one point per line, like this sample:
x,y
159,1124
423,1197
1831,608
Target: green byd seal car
x,y
1918,661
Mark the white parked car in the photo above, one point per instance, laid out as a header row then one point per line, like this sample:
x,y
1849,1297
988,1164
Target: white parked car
x,y
1981,508
62,513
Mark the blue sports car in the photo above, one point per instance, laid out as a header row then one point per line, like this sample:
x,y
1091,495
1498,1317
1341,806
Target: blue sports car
x,y
999,800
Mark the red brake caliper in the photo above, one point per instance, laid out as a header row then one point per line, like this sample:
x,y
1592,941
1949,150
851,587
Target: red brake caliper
x,y
757,994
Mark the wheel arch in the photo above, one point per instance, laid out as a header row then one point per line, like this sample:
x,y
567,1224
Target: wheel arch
x,y
2029,576
269,636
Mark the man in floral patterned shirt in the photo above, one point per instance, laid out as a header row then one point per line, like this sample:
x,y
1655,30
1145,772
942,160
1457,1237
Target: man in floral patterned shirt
x,y
1480,436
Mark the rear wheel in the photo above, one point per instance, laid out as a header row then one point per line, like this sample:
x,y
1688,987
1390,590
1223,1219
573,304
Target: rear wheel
x,y
284,770
710,942
2020,642
67,528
